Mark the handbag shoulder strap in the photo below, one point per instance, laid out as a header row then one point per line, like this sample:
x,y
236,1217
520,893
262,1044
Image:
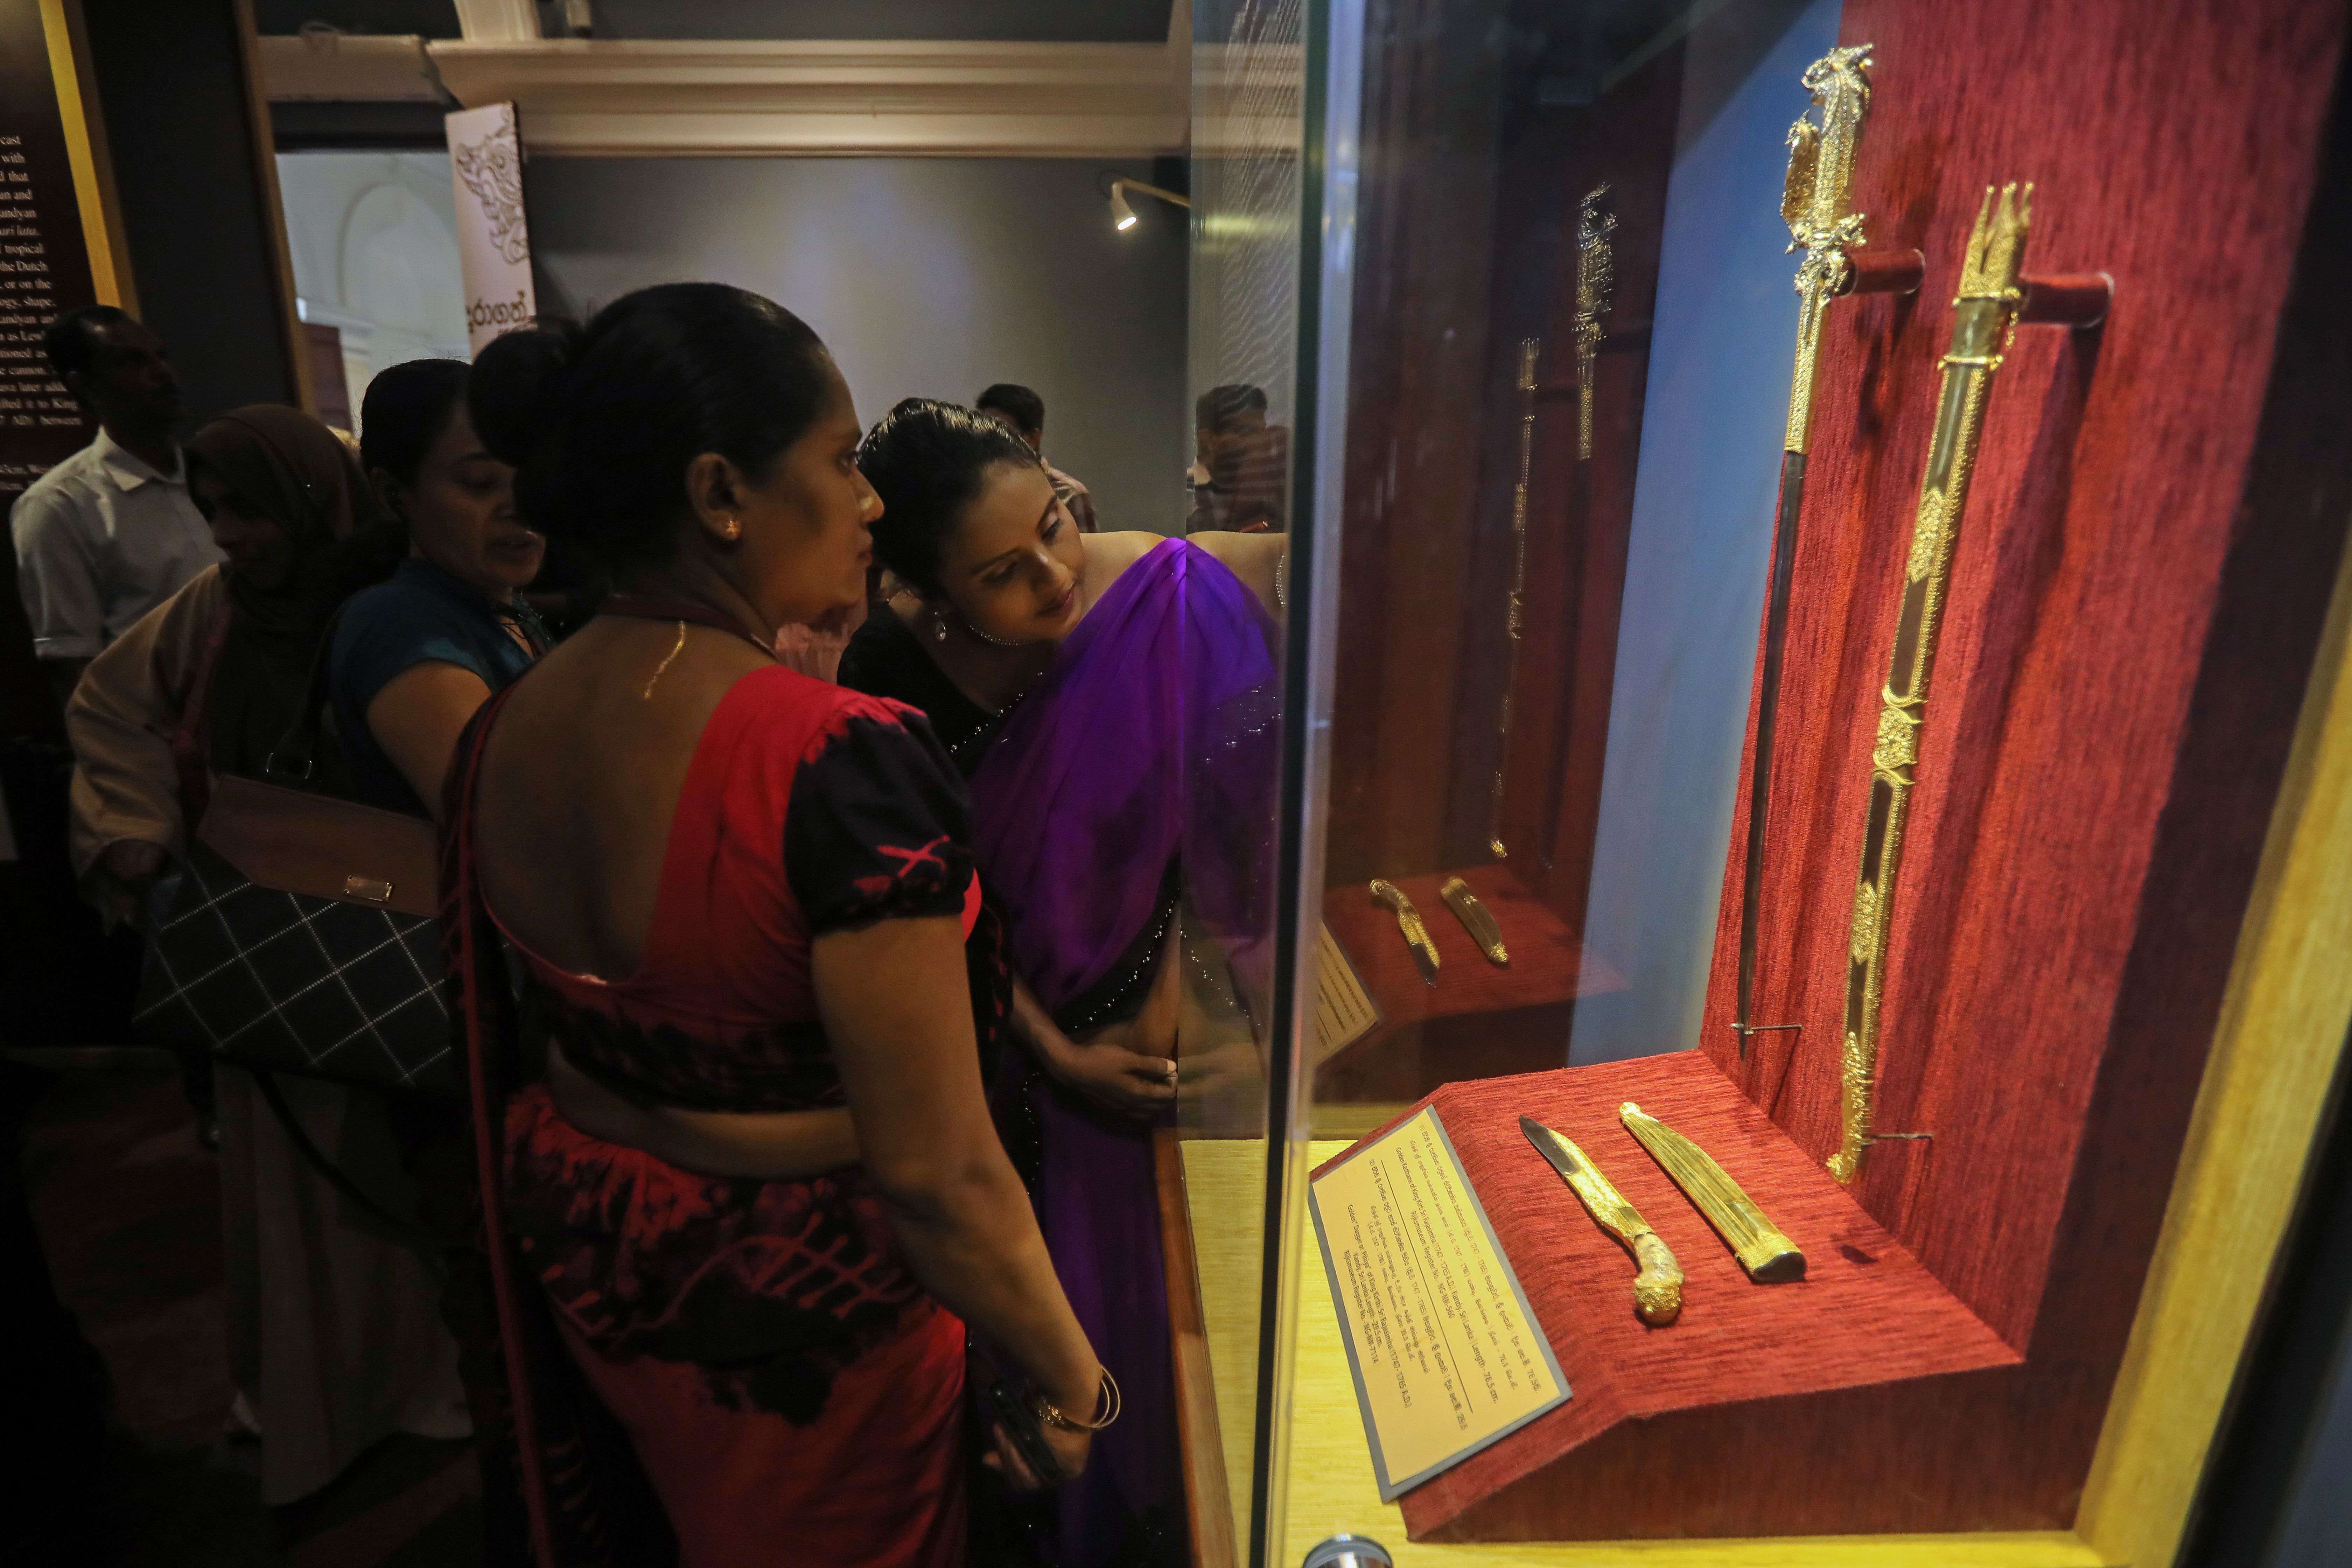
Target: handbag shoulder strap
x,y
294,758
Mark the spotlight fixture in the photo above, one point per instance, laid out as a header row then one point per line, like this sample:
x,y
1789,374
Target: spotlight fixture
x,y
1122,217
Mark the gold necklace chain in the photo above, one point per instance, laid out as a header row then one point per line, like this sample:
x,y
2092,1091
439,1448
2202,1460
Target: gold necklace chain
x,y
663,669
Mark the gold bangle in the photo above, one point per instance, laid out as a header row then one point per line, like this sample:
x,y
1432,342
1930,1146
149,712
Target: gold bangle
x,y
1107,1402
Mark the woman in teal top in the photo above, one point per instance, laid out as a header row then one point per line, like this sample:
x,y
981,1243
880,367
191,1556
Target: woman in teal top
x,y
415,658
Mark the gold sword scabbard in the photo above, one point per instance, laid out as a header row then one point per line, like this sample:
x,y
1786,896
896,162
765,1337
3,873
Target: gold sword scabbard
x,y
1984,316
1770,1258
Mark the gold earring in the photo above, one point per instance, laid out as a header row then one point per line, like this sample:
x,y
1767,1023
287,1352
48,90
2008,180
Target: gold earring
x,y
734,528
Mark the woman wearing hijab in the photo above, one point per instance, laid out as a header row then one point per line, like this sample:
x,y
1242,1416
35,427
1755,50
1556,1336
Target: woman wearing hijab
x,y
334,1336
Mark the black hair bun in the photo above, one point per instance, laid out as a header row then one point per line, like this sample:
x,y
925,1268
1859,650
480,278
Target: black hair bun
x,y
521,385
601,422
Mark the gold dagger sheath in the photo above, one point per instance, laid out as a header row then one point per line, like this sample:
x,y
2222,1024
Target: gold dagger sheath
x,y
1478,920
1770,1258
1984,315
1658,1288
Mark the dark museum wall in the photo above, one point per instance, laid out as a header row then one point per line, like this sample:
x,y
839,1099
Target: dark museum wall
x,y
201,227
929,276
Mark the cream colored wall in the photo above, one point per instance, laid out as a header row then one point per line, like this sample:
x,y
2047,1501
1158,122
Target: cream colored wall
x,y
373,241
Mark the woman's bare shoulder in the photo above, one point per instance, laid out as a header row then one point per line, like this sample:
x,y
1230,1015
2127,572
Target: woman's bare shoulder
x,y
1109,554
1255,558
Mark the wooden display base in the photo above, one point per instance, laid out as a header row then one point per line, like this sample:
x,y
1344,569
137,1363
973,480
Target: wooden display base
x,y
1765,1409
1478,1020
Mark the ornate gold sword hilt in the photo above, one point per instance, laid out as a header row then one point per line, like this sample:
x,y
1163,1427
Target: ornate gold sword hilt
x,y
1813,204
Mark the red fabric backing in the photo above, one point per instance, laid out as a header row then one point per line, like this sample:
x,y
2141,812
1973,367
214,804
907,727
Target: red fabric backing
x,y
2139,582
2082,595
2136,595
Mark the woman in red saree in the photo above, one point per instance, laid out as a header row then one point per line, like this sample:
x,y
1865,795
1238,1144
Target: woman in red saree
x,y
732,893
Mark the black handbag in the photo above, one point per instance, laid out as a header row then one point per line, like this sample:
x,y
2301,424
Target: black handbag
x,y
302,936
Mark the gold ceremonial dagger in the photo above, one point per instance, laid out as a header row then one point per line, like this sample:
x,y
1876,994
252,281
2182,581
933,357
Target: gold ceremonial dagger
x,y
1770,1258
1814,205
1409,926
1658,1288
1984,317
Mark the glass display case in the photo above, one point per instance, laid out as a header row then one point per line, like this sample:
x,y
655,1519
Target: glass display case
x,y
1740,992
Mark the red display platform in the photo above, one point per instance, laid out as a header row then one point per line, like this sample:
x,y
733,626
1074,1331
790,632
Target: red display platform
x,y
1477,1020
1750,1358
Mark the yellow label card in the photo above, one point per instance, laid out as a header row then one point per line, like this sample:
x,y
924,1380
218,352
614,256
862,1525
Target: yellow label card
x,y
1344,1011
1446,1356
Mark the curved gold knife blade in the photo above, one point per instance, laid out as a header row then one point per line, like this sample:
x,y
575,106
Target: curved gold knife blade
x,y
1416,935
1658,1288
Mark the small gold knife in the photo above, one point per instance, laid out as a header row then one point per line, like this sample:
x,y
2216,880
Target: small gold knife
x,y
1770,1258
1416,935
1658,1288
1478,920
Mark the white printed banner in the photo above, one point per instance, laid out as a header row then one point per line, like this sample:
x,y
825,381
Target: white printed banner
x,y
493,242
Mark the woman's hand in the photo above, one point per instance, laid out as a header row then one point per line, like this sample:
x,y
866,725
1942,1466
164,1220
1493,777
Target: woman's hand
x,y
1106,1074
1070,1449
1114,1067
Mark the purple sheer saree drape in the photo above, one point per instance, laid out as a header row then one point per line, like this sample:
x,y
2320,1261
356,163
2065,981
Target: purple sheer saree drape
x,y
1146,743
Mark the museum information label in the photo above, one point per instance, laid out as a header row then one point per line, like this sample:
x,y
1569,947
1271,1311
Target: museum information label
x,y
1344,1011
1446,1356
44,257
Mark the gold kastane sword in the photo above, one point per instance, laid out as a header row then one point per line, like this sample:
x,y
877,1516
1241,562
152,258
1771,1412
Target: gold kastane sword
x,y
1515,606
1816,204
1596,276
1984,316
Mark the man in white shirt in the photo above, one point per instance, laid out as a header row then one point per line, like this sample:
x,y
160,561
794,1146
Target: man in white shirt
x,y
110,532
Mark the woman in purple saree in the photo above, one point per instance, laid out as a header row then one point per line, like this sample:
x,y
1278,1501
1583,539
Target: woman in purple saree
x,y
1111,701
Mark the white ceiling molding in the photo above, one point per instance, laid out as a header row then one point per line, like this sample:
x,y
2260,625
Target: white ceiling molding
x,y
596,98
498,21
340,67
